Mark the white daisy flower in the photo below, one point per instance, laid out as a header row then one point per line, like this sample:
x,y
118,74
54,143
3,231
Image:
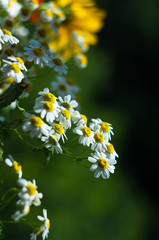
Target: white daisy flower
x,y
47,109
51,141
44,228
32,4
29,194
67,103
64,118
104,127
99,144
47,15
82,121
1,39
79,37
16,167
110,151
35,125
12,7
19,62
64,86
45,95
24,211
81,60
102,165
36,53
59,131
58,65
86,135
12,70
8,37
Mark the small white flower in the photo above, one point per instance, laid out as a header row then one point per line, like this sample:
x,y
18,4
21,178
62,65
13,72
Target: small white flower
x,y
104,127
47,15
35,125
64,118
13,70
16,167
32,4
51,141
86,135
45,95
110,152
36,53
67,103
28,194
82,121
79,37
64,86
58,65
19,62
59,131
12,7
102,165
99,144
8,37
81,60
44,228
21,213
47,109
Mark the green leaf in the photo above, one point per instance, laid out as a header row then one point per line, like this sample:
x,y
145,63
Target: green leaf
x,y
20,108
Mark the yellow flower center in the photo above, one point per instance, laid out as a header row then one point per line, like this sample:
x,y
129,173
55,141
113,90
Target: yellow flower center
x,y
15,67
49,106
84,118
49,13
69,81
103,163
62,87
48,223
99,138
66,105
9,80
57,62
49,97
104,127
7,32
66,113
86,131
83,60
58,128
9,52
16,167
52,139
28,87
39,52
44,44
20,60
36,121
31,189
110,148
34,2
25,11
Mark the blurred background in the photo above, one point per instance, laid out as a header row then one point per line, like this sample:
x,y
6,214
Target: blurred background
x,y
120,87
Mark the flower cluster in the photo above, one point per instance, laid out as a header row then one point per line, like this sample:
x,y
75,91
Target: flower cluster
x,y
28,196
60,115
42,36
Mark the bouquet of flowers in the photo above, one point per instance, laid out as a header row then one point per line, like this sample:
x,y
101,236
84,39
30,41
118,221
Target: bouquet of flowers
x,y
39,37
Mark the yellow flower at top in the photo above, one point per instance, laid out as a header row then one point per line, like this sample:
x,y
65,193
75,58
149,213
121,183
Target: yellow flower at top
x,y
82,16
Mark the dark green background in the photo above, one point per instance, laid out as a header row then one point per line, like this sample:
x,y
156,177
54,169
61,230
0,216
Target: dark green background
x,y
119,86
